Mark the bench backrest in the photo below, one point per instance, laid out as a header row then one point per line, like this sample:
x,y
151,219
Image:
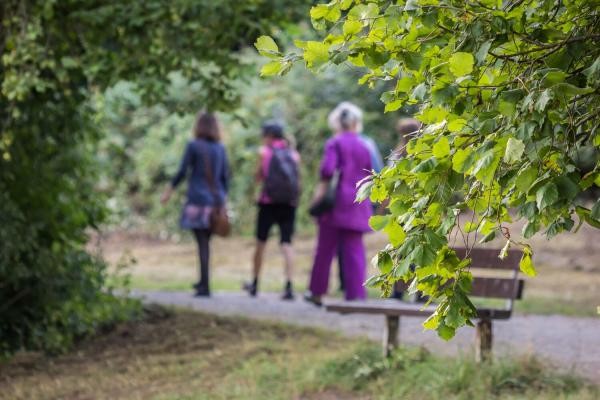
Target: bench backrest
x,y
508,287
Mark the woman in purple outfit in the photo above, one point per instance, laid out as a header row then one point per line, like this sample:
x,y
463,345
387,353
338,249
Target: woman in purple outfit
x,y
345,224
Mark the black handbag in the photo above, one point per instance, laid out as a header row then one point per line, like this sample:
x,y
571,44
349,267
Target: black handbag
x,y
327,202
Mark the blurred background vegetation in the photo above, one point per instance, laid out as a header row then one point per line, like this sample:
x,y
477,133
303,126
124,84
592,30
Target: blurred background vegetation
x,y
142,145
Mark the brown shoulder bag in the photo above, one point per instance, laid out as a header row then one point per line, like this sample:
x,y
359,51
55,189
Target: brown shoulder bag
x,y
219,220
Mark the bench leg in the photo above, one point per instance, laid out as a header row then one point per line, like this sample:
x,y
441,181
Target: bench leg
x,y
390,335
484,340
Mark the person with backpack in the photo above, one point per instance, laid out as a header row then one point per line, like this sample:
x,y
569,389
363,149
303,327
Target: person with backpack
x,y
341,220
279,173
205,162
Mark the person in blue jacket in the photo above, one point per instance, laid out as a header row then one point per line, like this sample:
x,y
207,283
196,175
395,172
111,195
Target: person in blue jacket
x,y
205,165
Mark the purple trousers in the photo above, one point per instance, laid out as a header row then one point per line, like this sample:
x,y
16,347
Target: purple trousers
x,y
353,253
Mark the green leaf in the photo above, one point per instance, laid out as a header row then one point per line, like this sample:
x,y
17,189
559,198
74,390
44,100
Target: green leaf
x,y
319,11
267,47
384,262
316,54
456,125
461,64
526,263
486,167
483,51
568,90
419,92
352,27
489,237
470,227
272,68
566,187
405,84
593,72
426,165
546,196
543,100
433,115
525,179
411,5
393,105
345,4
432,322
378,222
412,60
378,192
364,11
553,77
514,151
334,13
441,148
446,332
530,229
364,190
395,233
462,160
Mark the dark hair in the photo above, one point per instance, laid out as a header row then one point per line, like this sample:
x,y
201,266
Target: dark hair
x,y
407,126
273,129
207,127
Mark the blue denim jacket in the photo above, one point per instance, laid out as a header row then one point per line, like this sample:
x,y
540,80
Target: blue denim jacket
x,y
194,159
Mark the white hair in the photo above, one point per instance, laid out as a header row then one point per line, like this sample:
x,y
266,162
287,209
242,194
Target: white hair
x,y
344,116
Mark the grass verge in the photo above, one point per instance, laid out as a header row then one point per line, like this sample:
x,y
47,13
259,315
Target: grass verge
x,y
187,355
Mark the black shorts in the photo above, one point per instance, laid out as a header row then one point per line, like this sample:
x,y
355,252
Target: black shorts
x,y
280,214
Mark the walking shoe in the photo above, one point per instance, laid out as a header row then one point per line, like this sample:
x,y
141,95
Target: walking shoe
x,y
288,291
288,294
250,287
202,291
311,298
397,294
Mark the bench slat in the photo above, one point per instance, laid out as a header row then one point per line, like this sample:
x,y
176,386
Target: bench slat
x,y
499,288
488,258
397,308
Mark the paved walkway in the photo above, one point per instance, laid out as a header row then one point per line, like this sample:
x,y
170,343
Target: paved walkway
x,y
568,342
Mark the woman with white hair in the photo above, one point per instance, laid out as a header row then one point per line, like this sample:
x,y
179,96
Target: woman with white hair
x,y
346,157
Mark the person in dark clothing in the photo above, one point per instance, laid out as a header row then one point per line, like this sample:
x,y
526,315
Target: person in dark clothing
x,y
278,174
205,161
405,128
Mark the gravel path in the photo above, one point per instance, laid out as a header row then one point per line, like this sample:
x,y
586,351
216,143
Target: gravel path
x,y
568,342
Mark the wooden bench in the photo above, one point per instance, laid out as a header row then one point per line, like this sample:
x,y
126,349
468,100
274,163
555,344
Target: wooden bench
x,y
483,262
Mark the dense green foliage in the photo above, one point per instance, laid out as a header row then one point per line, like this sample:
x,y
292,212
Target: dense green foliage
x,y
509,93
142,145
54,54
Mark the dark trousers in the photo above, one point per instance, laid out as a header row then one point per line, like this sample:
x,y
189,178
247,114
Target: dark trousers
x,y
202,240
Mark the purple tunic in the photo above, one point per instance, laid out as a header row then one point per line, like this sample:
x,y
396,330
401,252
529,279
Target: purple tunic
x,y
348,154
